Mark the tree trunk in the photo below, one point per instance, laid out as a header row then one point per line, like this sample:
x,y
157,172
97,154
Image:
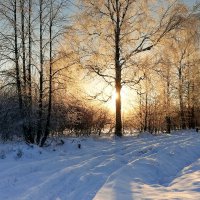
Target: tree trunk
x,y
118,122
30,58
29,84
146,112
140,114
192,121
40,115
183,125
47,128
17,70
118,117
23,47
27,134
168,118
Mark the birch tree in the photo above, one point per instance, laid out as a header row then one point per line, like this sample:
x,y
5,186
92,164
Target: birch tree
x,y
114,34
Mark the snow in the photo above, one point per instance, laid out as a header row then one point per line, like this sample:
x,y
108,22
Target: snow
x,y
146,167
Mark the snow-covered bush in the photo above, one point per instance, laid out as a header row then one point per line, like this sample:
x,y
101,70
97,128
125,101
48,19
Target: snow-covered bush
x,y
2,154
19,153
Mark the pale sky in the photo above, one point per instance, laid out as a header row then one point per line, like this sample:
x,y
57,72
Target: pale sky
x,y
190,2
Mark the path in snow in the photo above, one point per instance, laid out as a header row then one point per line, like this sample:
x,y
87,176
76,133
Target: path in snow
x,y
121,169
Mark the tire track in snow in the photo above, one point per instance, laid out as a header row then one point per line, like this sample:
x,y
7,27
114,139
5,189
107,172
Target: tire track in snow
x,y
112,158
85,171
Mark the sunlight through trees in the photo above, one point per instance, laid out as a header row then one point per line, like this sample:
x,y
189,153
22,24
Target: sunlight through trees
x,y
125,65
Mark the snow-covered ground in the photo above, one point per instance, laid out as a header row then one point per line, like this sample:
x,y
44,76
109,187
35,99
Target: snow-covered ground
x,y
146,167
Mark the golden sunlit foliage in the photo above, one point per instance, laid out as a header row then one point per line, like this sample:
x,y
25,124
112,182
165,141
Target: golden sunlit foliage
x,y
151,77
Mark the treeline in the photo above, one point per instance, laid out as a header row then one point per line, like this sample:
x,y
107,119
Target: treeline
x,y
169,96
46,51
27,39
33,100
149,47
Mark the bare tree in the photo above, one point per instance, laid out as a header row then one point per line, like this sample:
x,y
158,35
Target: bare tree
x,y
41,73
115,34
56,31
10,52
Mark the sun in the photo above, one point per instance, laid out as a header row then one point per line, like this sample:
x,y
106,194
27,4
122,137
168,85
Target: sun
x,y
126,98
108,96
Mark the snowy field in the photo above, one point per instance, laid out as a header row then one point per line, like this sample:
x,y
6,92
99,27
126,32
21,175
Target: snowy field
x,y
147,167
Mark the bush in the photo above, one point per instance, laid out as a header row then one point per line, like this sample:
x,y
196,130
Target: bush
x,y
2,154
19,153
